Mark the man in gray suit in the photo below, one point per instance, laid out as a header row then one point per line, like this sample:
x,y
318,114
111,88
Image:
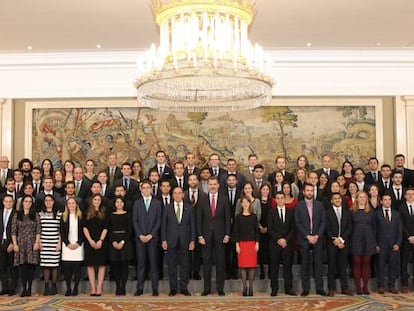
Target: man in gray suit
x,y
178,236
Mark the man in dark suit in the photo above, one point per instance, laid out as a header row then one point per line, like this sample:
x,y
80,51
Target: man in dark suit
x,y
130,184
326,168
389,238
26,166
232,169
112,170
154,178
178,236
338,234
373,175
408,175
106,190
179,179
396,191
281,228
213,231
5,172
82,185
191,167
407,246
310,221
258,179
48,184
359,176
164,171
193,195
318,193
36,175
281,166
69,193
9,190
8,273
385,181
146,219
215,169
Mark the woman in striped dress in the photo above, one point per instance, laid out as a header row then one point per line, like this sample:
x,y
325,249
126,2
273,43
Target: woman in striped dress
x,y
50,243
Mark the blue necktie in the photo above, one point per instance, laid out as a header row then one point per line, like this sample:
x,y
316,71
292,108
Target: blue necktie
x,y
147,204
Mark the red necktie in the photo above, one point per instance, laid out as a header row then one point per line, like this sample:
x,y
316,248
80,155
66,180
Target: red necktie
x,y
213,205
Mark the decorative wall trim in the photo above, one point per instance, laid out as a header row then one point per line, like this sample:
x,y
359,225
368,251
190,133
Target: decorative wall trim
x,y
295,72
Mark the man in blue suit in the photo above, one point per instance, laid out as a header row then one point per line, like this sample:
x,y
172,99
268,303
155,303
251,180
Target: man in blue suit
x,y
146,219
178,238
389,238
310,223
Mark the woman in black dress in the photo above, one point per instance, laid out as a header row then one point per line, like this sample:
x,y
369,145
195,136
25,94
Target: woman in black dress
x,y
264,237
120,249
95,231
246,235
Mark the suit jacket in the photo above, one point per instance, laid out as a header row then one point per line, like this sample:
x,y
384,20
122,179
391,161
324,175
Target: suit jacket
x,y
196,171
40,199
9,174
369,178
61,203
172,231
8,227
147,222
240,180
167,173
278,229
408,177
232,205
319,195
395,202
117,175
174,182
132,193
220,172
333,174
388,234
381,185
64,231
84,190
290,177
407,221
332,226
215,227
303,225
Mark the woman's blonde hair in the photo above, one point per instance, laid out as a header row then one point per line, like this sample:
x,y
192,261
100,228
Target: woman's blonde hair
x,y
355,206
65,214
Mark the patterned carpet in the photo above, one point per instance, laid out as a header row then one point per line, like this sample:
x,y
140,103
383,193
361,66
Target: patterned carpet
x,y
230,302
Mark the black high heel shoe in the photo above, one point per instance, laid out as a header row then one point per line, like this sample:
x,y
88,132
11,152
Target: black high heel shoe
x,y
244,293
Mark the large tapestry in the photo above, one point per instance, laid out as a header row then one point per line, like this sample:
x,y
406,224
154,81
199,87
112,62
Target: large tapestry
x,y
345,132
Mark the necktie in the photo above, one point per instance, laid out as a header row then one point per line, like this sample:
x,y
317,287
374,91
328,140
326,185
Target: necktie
x,y
166,201
213,205
375,176
387,215
160,170
36,188
18,187
215,172
398,193
315,192
3,177
147,203
5,220
180,183
258,184
338,217
231,197
327,172
126,183
310,212
77,188
190,171
112,175
386,184
178,212
281,215
411,210
154,190
193,198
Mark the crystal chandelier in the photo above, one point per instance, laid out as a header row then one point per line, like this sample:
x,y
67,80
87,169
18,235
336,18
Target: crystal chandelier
x,y
205,61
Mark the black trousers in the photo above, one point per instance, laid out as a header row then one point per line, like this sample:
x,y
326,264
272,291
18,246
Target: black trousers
x,y
407,250
337,263
72,269
214,250
277,255
195,259
178,255
8,273
120,270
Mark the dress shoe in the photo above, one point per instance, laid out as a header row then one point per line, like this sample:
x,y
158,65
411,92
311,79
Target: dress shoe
x,y
221,293
250,291
244,292
68,292
273,293
74,292
262,275
404,290
380,290
185,292
228,277
53,289
205,293
172,292
155,292
4,292
393,291
347,292
331,293
196,276
290,293
46,292
12,292
139,292
321,292
29,292
305,293
234,277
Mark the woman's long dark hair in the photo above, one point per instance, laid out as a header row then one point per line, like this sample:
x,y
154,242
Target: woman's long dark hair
x,y
32,212
54,208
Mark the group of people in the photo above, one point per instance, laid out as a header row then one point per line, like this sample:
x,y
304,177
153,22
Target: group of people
x,y
64,219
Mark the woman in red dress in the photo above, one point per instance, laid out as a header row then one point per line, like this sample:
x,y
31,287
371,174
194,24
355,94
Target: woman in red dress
x,y
246,235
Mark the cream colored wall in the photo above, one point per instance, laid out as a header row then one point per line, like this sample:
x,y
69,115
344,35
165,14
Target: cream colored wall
x,y
387,124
